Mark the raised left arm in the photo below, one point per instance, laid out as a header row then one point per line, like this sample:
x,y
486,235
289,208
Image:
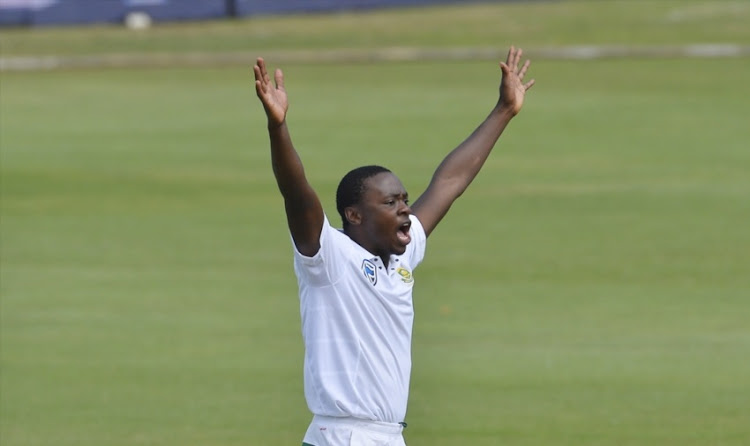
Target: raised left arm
x,y
461,166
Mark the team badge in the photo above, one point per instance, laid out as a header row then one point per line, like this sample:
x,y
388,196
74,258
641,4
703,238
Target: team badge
x,y
370,270
405,274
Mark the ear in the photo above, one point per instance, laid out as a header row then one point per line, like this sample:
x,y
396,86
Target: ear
x,y
353,216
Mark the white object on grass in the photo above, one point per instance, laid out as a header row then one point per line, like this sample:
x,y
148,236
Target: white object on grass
x,y
138,20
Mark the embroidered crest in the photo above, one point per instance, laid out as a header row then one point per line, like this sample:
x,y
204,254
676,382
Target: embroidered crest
x,y
370,270
405,274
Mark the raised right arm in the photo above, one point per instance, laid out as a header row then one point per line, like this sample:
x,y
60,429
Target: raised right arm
x,y
304,213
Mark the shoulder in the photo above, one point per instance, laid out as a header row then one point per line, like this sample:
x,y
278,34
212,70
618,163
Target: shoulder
x,y
331,240
416,249
417,230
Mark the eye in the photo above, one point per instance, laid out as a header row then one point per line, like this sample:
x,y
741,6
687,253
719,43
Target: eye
x,y
406,202
390,202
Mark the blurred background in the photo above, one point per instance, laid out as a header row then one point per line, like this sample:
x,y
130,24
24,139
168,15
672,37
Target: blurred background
x,y
76,12
592,287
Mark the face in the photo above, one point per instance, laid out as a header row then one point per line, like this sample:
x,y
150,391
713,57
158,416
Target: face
x,y
383,215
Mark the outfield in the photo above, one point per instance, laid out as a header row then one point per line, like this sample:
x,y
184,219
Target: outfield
x,y
591,288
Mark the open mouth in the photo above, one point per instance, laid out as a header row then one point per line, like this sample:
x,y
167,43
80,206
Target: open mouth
x,y
403,233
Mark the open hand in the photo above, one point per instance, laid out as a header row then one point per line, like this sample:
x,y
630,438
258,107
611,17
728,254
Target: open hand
x,y
512,88
274,98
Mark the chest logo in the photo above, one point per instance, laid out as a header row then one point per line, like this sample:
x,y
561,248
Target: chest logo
x,y
405,274
370,270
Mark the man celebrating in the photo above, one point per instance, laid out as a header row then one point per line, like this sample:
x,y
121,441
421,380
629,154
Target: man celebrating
x,y
355,284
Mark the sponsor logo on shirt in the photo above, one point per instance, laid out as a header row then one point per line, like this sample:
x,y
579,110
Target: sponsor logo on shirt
x,y
370,270
405,274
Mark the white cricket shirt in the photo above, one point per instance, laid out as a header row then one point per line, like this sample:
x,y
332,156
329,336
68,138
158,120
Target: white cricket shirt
x,y
357,318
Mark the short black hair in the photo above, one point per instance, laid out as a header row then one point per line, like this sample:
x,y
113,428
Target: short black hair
x,y
352,187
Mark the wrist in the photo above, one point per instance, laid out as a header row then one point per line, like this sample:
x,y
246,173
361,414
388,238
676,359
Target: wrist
x,y
504,111
275,125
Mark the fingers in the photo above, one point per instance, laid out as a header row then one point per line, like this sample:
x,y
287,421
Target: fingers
x,y
263,70
529,84
261,73
258,75
263,80
279,78
514,56
525,67
511,56
258,70
511,63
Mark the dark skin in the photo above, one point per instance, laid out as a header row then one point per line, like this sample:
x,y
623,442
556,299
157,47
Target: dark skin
x,y
378,223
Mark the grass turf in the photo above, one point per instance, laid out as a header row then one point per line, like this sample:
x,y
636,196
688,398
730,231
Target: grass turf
x,y
532,24
590,288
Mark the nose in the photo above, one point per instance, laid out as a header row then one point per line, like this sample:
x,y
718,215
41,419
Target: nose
x,y
404,208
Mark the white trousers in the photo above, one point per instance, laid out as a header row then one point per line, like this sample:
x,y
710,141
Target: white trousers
x,y
333,431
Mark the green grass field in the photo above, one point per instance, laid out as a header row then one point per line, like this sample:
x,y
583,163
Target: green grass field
x,y
591,288
536,23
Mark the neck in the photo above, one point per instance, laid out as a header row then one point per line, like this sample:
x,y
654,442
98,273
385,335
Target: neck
x,y
363,241
385,260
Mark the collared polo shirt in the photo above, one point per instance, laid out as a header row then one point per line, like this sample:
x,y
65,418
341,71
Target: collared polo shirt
x,y
357,317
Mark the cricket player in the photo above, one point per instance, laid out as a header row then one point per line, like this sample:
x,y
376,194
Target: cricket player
x,y
355,284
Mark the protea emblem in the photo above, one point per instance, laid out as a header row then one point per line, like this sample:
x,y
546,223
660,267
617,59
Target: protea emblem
x,y
405,274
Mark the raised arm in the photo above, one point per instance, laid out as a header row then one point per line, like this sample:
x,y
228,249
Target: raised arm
x,y
304,213
462,165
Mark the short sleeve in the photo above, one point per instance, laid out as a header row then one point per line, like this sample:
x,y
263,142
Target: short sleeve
x,y
313,269
415,251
